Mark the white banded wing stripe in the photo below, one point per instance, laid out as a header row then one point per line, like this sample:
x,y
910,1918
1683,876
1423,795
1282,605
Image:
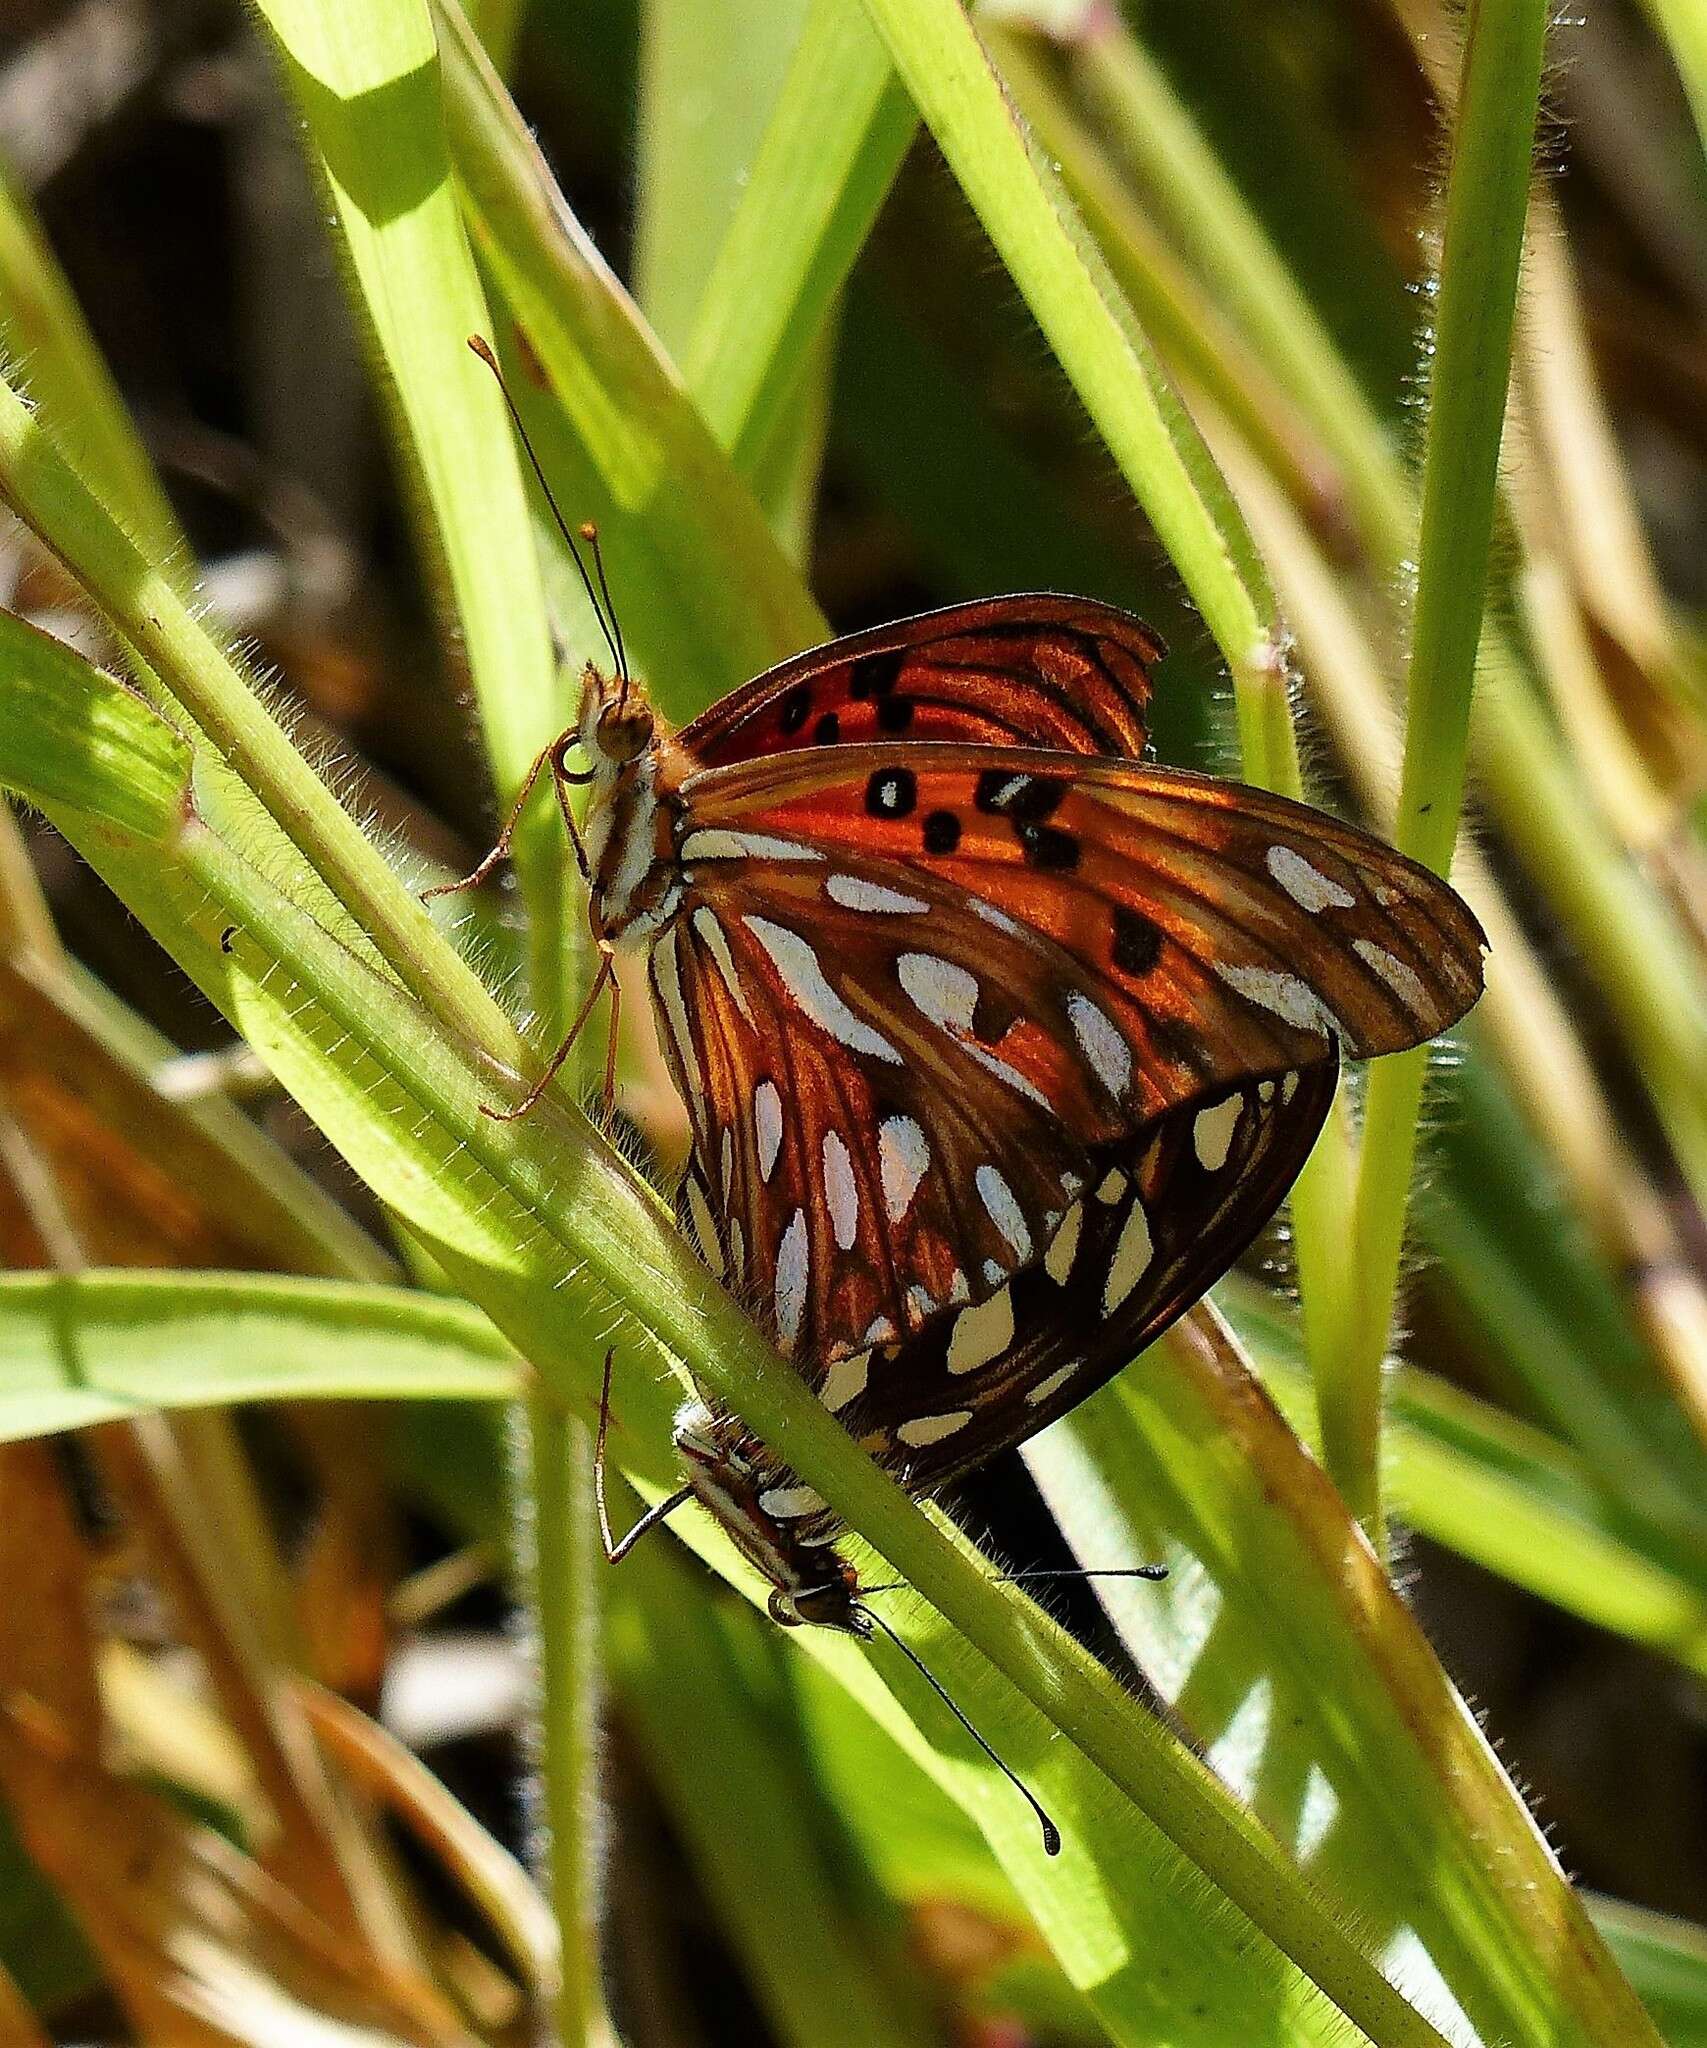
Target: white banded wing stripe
x,y
1002,1206
791,1275
716,942
714,844
667,979
1102,1042
1283,995
809,988
854,892
1308,887
841,1190
941,989
767,1126
1402,980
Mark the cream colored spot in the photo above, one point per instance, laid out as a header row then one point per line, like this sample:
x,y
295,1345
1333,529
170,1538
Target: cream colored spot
x,y
716,943
1102,1043
845,1381
705,1229
767,1123
1404,983
1064,1247
1212,1133
787,1503
946,993
1114,1185
1004,1210
853,892
1282,995
981,1334
841,1190
791,1272
715,845
1132,1255
903,1159
931,1429
1052,1385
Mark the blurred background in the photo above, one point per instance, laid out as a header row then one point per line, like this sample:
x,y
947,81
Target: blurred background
x,y
945,457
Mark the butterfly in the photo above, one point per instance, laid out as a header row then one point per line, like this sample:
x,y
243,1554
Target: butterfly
x,y
999,1044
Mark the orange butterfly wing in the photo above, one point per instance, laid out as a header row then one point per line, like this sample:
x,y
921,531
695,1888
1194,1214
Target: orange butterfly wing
x,y
956,973
1068,673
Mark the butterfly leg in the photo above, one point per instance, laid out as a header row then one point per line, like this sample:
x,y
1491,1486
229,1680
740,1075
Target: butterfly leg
x,y
605,978
616,1549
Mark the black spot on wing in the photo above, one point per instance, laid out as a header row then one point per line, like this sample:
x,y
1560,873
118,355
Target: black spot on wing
x,y
1137,942
874,675
942,832
1049,848
1025,799
892,793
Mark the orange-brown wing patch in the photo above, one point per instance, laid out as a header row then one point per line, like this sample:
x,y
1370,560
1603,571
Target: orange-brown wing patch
x,y
1060,672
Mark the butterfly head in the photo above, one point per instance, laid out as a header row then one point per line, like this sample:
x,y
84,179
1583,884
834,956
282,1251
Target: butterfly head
x,y
617,725
780,1526
632,767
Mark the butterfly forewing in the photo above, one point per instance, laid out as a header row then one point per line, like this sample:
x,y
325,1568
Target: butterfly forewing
x,y
1232,930
913,991
855,1171
1061,672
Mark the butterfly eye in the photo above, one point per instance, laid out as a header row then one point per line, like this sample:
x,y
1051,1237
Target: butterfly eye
x,y
625,729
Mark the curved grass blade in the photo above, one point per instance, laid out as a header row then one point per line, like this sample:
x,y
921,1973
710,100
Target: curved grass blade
x,y
550,1237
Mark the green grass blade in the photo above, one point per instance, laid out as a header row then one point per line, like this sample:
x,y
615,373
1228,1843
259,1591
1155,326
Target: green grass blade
x,y
1087,323
682,1662
1224,309
1504,1494
1683,27
1487,209
144,605
1667,1962
85,741
707,595
1296,1665
840,128
89,1347
710,71
563,1564
42,328
548,1235
366,83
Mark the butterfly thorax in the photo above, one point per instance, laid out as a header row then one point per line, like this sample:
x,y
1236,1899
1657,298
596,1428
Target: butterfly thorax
x,y
777,1523
637,767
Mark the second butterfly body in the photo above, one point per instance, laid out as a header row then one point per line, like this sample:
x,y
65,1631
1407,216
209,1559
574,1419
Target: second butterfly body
x,y
999,1045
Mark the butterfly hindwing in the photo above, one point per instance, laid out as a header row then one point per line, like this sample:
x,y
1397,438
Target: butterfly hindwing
x,y
1066,673
1164,1217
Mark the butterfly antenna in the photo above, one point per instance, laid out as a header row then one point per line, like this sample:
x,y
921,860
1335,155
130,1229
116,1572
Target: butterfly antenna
x,y
590,534
1051,1833
482,348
